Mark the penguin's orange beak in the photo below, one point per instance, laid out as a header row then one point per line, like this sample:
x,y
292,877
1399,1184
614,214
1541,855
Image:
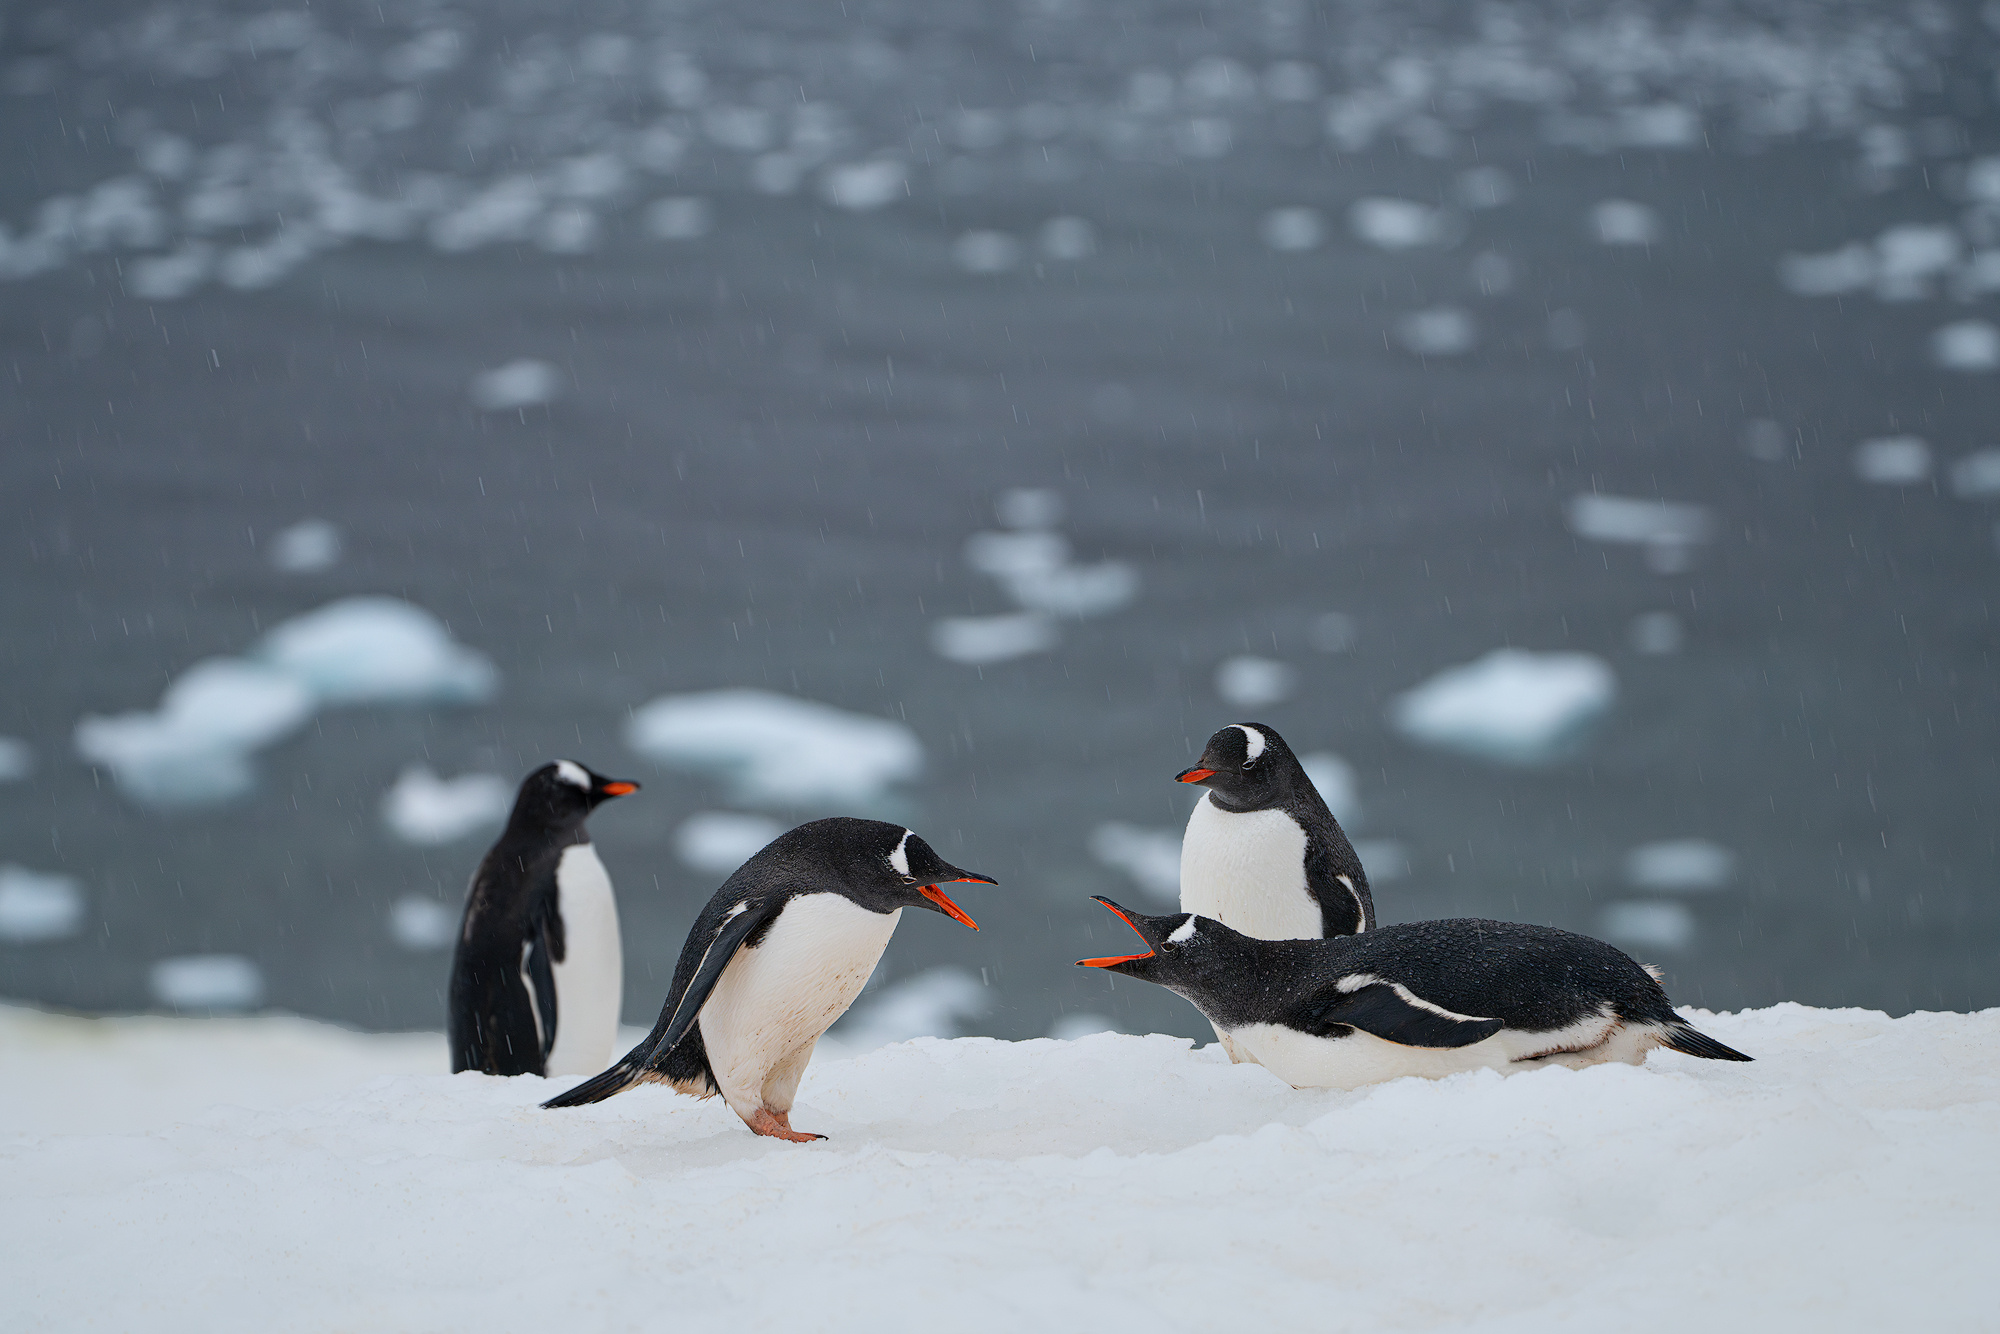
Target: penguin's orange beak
x,y
951,910
1121,958
620,789
1193,775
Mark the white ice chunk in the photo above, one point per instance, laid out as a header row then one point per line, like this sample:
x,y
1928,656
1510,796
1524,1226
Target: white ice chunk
x,y
17,759
1626,222
518,384
1008,555
1848,269
717,842
1080,1024
1668,530
979,640
378,650
1909,257
936,1003
208,982
1068,239
38,905
120,214
422,924
1513,706
1204,136
1655,633
777,750
1076,590
424,809
1896,460
1974,477
1338,784
1292,229
679,218
567,229
862,186
1250,682
1648,924
305,547
986,252
1440,331
1151,857
433,51
194,750
1660,125
506,210
1029,507
1383,859
1396,224
1967,345
1683,865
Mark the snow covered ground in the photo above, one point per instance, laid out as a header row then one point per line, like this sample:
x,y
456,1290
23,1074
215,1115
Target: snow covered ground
x,y
219,1175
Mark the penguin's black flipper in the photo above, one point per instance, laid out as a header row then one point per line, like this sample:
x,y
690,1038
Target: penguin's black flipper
x,y
1693,1042
538,976
1394,1013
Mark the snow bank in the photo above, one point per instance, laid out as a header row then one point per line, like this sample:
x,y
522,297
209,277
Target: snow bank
x,y
1511,705
1846,1180
776,750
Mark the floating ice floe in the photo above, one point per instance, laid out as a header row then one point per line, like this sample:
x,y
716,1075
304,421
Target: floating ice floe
x,y
1680,865
986,252
936,1003
1337,783
1647,924
979,640
1833,273
38,905
1668,530
208,982
679,218
1967,345
1905,263
1250,682
1973,477
717,842
777,750
424,809
306,547
864,186
1034,568
1151,857
1626,222
1397,224
1512,706
195,749
422,924
370,650
1067,239
1896,460
1440,331
519,384
1655,633
17,759
1292,229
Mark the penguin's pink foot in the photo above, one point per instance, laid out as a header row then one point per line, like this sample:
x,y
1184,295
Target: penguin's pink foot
x,y
778,1125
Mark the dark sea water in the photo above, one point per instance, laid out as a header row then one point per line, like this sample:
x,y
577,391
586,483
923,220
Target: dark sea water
x,y
768,436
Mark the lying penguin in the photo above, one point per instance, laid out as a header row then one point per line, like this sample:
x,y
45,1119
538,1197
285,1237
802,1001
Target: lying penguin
x,y
778,954
1421,998
1262,852
537,976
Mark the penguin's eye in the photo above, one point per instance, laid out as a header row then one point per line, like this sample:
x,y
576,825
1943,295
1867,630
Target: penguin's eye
x,y
1249,764
909,880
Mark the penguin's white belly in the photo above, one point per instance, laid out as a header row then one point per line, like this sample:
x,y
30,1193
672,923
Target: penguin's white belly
x,y
1248,871
1350,1062
773,1000
590,980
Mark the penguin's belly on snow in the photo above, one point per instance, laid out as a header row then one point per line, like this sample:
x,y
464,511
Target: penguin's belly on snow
x,y
590,980
779,997
1248,871
1359,1059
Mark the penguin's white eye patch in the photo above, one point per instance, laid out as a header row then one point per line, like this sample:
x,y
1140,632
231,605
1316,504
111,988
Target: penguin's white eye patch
x,y
1253,743
569,771
899,857
1183,933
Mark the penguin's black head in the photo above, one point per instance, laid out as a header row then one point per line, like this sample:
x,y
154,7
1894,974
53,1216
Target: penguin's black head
x,y
1183,951
1248,766
563,793
880,866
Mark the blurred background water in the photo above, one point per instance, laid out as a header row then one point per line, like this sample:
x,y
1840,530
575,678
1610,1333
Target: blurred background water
x,y
1569,425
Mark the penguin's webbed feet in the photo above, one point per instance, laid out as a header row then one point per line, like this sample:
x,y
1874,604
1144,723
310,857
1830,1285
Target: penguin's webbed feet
x,y
778,1125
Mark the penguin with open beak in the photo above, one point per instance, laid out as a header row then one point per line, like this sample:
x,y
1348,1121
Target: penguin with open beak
x,y
778,954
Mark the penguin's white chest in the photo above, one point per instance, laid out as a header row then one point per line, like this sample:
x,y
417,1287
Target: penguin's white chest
x,y
590,980
1248,871
773,1000
1358,1059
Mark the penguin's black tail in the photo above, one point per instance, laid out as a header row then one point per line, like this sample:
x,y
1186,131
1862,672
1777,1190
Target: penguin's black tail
x,y
1690,1041
617,1079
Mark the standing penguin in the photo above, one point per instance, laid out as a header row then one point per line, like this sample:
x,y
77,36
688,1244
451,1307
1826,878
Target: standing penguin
x,y
778,954
1419,998
538,974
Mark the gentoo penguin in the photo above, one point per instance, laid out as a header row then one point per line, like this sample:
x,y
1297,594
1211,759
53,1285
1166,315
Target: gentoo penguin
x,y
778,954
1420,998
1262,852
537,975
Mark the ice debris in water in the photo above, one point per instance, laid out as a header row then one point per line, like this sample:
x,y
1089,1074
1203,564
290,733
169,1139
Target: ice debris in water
x,y
1396,224
305,547
1896,460
863,186
1337,783
1439,331
1292,229
38,905
519,384
1250,682
777,750
1669,531
679,218
1067,239
1967,345
364,650
17,759
717,842
979,640
1655,633
936,1003
1625,222
986,252
422,924
1974,477
1512,706
1151,857
1649,924
1031,563
424,809
1683,865
208,982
